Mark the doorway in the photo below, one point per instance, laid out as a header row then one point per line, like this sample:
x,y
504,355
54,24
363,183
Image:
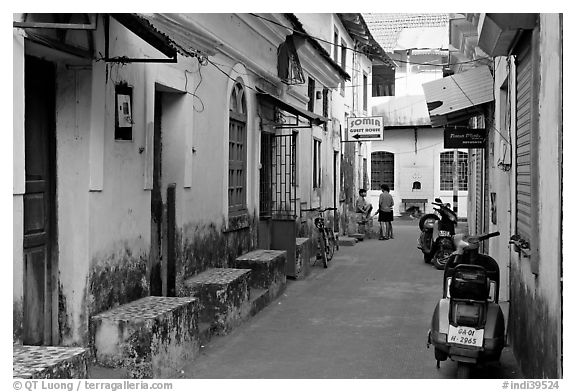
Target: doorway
x,y
39,201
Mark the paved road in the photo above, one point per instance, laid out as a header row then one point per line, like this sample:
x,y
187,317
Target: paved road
x,y
366,316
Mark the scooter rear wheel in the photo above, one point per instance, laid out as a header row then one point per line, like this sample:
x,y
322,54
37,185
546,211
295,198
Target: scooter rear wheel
x,y
463,370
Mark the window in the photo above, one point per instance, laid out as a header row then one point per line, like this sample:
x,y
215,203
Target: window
x,y
382,169
446,173
365,92
325,105
237,150
316,174
343,59
343,54
311,93
383,80
336,41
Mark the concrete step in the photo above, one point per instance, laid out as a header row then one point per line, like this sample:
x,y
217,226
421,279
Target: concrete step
x,y
49,362
268,270
347,241
303,248
223,295
148,338
358,236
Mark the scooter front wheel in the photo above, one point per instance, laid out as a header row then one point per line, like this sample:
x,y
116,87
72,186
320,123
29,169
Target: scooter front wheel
x,y
440,258
463,370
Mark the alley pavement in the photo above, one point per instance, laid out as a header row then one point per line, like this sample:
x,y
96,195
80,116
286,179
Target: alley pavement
x,y
365,316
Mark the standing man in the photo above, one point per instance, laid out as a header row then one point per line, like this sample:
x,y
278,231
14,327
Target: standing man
x,y
362,206
385,214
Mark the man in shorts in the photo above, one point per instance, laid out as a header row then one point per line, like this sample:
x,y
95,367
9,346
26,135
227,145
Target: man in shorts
x,y
385,214
362,206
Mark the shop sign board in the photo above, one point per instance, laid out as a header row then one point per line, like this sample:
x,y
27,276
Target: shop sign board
x,y
464,138
365,128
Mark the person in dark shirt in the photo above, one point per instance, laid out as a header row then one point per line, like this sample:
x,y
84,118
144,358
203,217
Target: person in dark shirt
x,y
385,214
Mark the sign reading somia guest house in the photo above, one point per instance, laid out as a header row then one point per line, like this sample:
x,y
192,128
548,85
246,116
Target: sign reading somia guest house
x,y
365,128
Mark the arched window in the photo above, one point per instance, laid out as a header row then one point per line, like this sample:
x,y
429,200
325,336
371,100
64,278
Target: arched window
x,y
416,185
446,172
237,151
382,169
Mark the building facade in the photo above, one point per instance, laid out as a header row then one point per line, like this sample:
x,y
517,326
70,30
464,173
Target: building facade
x,y
412,159
518,177
151,147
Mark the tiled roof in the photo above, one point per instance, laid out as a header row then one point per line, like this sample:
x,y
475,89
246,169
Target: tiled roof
x,y
385,28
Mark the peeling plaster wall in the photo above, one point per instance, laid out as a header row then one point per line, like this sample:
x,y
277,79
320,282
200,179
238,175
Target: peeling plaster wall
x,y
535,323
72,108
537,300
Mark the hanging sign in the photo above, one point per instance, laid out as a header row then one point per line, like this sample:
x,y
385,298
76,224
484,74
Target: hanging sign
x,y
365,128
464,138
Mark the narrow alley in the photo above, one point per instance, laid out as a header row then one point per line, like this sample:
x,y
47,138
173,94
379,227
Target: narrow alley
x,y
366,316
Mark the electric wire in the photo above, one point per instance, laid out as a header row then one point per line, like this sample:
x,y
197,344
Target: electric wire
x,y
359,51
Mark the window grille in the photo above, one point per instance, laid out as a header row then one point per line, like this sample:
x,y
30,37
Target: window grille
x,y
446,173
237,151
382,169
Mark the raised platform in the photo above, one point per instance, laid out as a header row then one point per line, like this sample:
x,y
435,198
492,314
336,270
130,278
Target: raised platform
x,y
49,362
268,269
148,338
223,295
359,237
347,241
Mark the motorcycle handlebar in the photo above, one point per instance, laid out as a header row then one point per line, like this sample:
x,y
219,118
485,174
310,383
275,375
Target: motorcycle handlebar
x,y
489,235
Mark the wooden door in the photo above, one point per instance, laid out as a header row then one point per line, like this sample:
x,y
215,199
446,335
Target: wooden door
x,y
39,222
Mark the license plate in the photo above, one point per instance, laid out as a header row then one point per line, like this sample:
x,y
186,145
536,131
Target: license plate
x,y
443,233
465,336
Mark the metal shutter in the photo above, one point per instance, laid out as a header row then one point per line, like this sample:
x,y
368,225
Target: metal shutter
x,y
479,192
523,142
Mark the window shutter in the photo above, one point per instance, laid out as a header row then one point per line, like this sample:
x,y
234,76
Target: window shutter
x,y
524,143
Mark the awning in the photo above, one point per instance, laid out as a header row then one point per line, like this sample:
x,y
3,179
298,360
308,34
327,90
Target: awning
x,y
314,118
402,111
458,97
169,32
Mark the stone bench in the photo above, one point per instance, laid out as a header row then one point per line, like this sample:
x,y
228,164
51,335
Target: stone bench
x,y
268,270
359,237
49,362
148,338
347,241
223,295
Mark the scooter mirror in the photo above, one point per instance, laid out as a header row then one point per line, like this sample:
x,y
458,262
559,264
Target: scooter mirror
x,y
438,200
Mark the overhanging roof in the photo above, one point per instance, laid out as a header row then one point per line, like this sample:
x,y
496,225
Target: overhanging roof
x,y
173,30
458,97
314,118
402,111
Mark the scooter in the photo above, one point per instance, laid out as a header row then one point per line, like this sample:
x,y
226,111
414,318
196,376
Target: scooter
x,y
436,251
468,323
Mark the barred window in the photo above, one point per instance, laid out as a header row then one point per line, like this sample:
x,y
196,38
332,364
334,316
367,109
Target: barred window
x,y
237,150
446,173
382,169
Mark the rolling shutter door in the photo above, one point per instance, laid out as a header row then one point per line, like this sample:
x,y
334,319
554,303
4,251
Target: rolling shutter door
x,y
479,192
524,143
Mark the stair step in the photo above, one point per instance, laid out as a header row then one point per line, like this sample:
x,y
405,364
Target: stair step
x,y
347,241
49,362
268,269
149,338
223,295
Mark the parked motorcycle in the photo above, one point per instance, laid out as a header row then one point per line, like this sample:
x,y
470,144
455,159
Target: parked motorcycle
x,y
468,323
437,250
